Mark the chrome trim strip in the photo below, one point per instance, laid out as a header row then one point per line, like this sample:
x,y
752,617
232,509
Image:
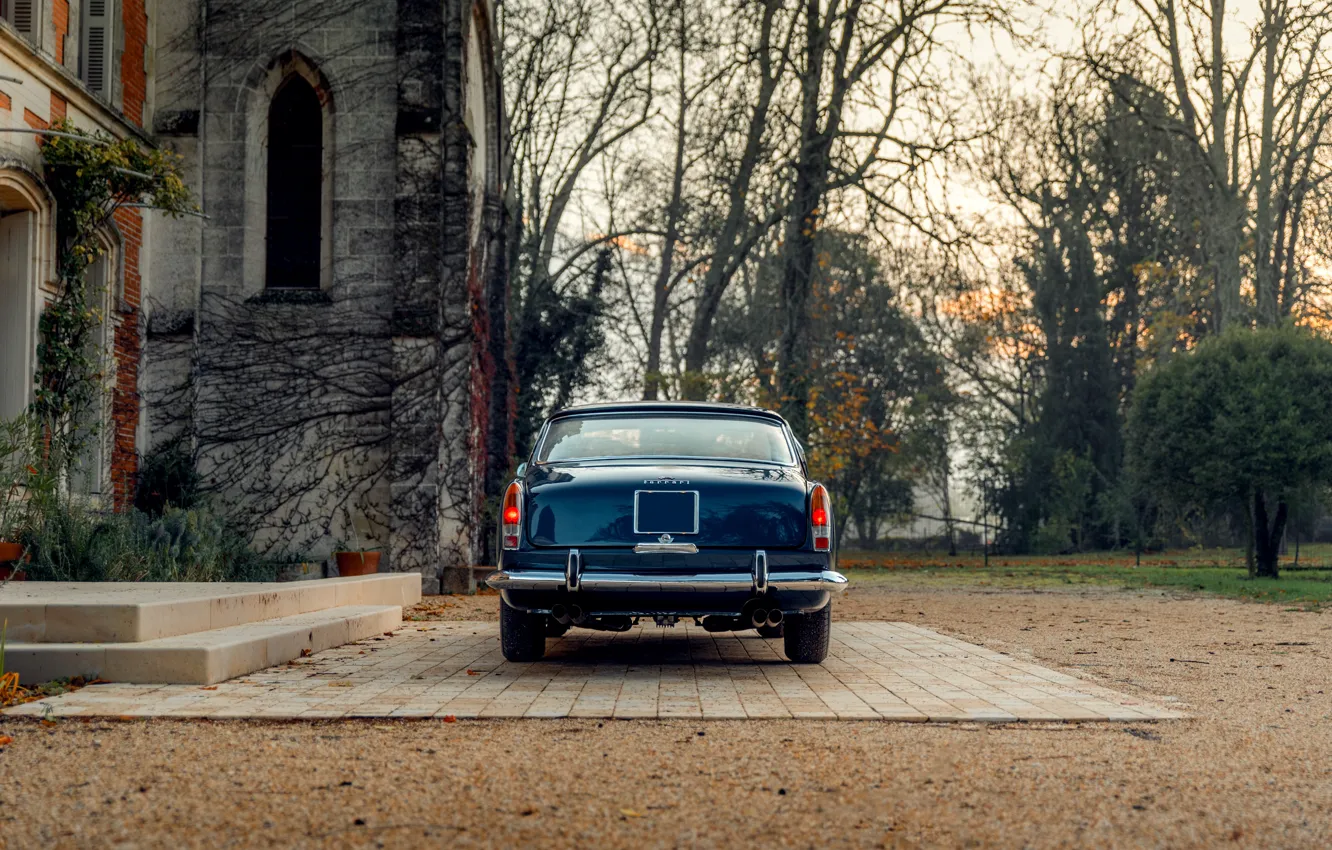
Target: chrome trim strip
x,y
694,493
828,580
572,570
526,580
678,548
760,571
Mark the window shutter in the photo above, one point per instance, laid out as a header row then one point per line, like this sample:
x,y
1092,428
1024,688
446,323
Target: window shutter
x,y
24,18
97,47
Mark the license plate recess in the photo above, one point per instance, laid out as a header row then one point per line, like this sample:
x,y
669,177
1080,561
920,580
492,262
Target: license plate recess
x,y
666,512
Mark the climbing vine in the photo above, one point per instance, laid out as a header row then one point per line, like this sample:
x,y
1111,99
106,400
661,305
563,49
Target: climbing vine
x,y
91,177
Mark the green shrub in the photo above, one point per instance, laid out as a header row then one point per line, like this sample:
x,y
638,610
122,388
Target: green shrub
x,y
23,485
76,543
167,477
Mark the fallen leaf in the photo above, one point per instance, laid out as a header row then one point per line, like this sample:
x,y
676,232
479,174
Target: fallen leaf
x,y
5,740
630,813
209,688
305,653
449,718
49,723
471,672
388,634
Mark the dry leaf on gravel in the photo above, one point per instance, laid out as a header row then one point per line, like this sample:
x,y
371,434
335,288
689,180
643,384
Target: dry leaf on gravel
x,y
5,740
449,718
630,813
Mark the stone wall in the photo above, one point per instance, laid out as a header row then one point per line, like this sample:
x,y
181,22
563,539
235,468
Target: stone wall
x,y
359,412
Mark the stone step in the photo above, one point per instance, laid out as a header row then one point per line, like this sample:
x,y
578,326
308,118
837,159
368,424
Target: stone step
x,y
206,657
131,612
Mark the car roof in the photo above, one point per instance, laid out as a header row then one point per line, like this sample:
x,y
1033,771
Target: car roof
x,y
667,407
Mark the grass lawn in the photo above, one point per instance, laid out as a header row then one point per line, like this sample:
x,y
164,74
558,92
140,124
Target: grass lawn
x,y
1214,571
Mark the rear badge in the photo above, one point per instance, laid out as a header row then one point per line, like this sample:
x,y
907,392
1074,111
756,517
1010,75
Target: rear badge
x,y
671,481
665,538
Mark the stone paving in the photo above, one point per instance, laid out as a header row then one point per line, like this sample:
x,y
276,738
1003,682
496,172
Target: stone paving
x,y
876,670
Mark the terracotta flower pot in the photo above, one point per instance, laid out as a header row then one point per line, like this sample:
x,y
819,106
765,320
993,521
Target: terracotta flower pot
x,y
357,563
10,555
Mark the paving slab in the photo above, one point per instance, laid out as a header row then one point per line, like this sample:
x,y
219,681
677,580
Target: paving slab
x,y
133,612
875,670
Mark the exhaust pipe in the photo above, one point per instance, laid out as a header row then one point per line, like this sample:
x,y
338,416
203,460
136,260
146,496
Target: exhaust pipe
x,y
576,615
560,614
775,618
758,618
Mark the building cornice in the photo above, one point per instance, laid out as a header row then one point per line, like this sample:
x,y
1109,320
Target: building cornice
x,y
61,80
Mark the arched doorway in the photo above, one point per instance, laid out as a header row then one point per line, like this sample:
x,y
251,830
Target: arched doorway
x,y
18,296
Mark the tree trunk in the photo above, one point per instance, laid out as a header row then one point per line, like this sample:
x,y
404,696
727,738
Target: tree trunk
x,y
1267,536
661,291
811,169
730,240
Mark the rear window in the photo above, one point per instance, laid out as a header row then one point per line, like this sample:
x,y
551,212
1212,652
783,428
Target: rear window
x,y
721,437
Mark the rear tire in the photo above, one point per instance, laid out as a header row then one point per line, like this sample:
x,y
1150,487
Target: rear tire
x,y
772,631
806,638
522,635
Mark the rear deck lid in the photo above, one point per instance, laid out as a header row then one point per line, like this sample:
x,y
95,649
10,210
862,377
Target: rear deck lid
x,y
622,503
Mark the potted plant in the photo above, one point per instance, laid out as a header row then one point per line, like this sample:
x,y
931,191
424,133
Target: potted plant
x,y
357,562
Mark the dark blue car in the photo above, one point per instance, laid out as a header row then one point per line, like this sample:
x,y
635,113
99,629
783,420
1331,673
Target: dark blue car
x,y
666,511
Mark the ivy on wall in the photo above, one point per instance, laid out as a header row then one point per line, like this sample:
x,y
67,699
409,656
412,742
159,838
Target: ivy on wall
x,y
91,177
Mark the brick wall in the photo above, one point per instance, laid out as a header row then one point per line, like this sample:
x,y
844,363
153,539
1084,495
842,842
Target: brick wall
x,y
128,349
60,21
134,79
59,108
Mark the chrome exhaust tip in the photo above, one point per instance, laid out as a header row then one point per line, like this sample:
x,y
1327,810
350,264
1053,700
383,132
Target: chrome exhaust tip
x,y
560,614
575,614
758,618
775,618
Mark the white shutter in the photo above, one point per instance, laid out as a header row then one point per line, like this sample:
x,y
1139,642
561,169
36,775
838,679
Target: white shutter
x,y
97,47
23,15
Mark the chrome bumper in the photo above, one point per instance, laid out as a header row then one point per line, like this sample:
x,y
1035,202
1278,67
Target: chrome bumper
x,y
522,579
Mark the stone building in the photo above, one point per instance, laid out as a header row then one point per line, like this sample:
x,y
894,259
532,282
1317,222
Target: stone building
x,y
329,342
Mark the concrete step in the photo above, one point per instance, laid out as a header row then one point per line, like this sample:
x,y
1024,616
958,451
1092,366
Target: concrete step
x,y
205,657
129,612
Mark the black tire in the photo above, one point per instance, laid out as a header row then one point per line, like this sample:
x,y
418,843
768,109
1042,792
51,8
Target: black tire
x,y
806,638
772,631
522,635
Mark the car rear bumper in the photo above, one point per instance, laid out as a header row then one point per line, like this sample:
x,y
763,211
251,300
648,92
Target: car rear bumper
x,y
728,582
622,582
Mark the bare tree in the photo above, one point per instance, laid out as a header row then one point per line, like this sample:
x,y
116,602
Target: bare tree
x,y
578,78
1257,112
873,58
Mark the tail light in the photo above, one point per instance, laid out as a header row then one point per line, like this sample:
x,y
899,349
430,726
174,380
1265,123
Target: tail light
x,y
820,518
512,515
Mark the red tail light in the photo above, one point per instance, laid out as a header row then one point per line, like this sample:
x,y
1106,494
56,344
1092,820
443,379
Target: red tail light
x,y
512,515
820,518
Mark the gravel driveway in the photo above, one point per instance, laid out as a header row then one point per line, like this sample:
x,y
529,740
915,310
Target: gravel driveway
x,y
1252,768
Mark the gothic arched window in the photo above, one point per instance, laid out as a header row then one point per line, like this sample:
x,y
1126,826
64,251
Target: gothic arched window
x,y
295,186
